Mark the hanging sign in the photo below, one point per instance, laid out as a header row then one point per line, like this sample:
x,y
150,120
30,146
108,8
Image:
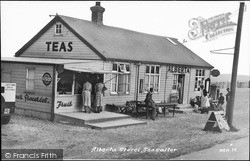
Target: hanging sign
x,y
216,122
215,73
46,79
178,69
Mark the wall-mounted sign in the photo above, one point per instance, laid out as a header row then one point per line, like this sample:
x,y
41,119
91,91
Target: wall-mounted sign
x,y
63,104
215,73
178,69
29,98
59,46
46,79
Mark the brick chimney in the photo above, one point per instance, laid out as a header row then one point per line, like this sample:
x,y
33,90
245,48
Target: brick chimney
x,y
97,13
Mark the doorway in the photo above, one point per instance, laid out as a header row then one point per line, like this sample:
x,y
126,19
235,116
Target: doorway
x,y
181,82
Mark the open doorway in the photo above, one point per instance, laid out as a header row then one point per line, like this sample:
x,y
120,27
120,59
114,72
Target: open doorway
x,y
181,80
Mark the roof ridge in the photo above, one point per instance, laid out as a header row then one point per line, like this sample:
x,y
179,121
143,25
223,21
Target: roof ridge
x,y
119,27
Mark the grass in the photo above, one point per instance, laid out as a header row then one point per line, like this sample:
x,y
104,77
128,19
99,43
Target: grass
x,y
182,132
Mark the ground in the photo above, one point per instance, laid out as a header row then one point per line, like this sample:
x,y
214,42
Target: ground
x,y
166,137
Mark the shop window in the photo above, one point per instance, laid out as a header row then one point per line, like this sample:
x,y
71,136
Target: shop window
x,y
58,29
199,79
65,82
30,79
121,81
152,78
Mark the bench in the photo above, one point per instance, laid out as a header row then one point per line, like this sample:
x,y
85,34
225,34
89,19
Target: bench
x,y
162,105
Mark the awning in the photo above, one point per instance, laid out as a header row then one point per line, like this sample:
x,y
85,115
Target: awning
x,y
89,70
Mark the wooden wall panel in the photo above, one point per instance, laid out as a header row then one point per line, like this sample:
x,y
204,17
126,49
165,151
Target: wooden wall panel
x,y
41,96
39,48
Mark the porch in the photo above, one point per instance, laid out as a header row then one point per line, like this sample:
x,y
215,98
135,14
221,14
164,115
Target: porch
x,y
103,120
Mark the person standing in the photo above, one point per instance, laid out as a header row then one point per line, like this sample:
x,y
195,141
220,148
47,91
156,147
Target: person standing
x,y
86,96
179,92
99,93
228,95
151,104
221,102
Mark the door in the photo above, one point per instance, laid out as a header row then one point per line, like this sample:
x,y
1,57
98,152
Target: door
x,y
181,87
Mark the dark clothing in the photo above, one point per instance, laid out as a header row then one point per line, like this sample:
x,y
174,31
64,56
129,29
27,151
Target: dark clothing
x,y
151,104
204,92
221,100
228,95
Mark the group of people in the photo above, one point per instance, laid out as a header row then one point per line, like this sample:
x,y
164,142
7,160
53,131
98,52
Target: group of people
x,y
202,103
96,98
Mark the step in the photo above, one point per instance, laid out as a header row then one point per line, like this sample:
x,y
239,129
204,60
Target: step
x,y
101,120
115,123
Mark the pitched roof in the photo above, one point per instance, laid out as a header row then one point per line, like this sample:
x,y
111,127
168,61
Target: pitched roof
x,y
112,43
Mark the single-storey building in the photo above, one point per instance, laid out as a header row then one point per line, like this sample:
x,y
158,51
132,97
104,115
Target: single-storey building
x,y
67,51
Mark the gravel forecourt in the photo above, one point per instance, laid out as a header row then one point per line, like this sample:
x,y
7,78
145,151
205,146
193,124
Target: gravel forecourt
x,y
166,137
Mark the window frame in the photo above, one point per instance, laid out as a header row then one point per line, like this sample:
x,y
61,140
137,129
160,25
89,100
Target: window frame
x,y
149,74
199,79
126,69
57,28
28,79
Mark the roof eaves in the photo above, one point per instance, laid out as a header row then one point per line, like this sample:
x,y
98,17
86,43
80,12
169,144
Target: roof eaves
x,y
156,63
81,38
39,34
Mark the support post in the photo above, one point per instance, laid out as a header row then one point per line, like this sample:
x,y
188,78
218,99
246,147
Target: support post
x,y
235,68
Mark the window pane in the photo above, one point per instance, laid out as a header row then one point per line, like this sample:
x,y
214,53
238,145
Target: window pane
x,y
127,68
121,83
31,74
199,72
114,67
157,69
30,84
203,72
152,69
196,73
147,69
64,85
151,79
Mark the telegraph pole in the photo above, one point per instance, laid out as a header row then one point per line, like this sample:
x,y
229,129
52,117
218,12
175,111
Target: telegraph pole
x,y
229,111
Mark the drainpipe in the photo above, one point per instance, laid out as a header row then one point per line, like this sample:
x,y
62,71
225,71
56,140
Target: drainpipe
x,y
137,81
165,90
52,112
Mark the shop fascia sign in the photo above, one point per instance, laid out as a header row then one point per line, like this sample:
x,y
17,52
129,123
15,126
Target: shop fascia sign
x,y
178,69
59,46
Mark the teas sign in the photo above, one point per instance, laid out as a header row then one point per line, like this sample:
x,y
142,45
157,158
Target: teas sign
x,y
46,79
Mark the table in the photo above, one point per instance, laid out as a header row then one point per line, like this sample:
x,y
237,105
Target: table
x,y
163,104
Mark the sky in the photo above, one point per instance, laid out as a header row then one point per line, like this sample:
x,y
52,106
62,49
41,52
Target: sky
x,y
22,20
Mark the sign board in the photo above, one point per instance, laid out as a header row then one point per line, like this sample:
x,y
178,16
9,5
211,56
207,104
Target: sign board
x,y
216,122
46,79
215,73
178,69
8,91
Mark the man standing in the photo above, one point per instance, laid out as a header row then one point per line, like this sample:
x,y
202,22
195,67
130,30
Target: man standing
x,y
228,95
151,104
